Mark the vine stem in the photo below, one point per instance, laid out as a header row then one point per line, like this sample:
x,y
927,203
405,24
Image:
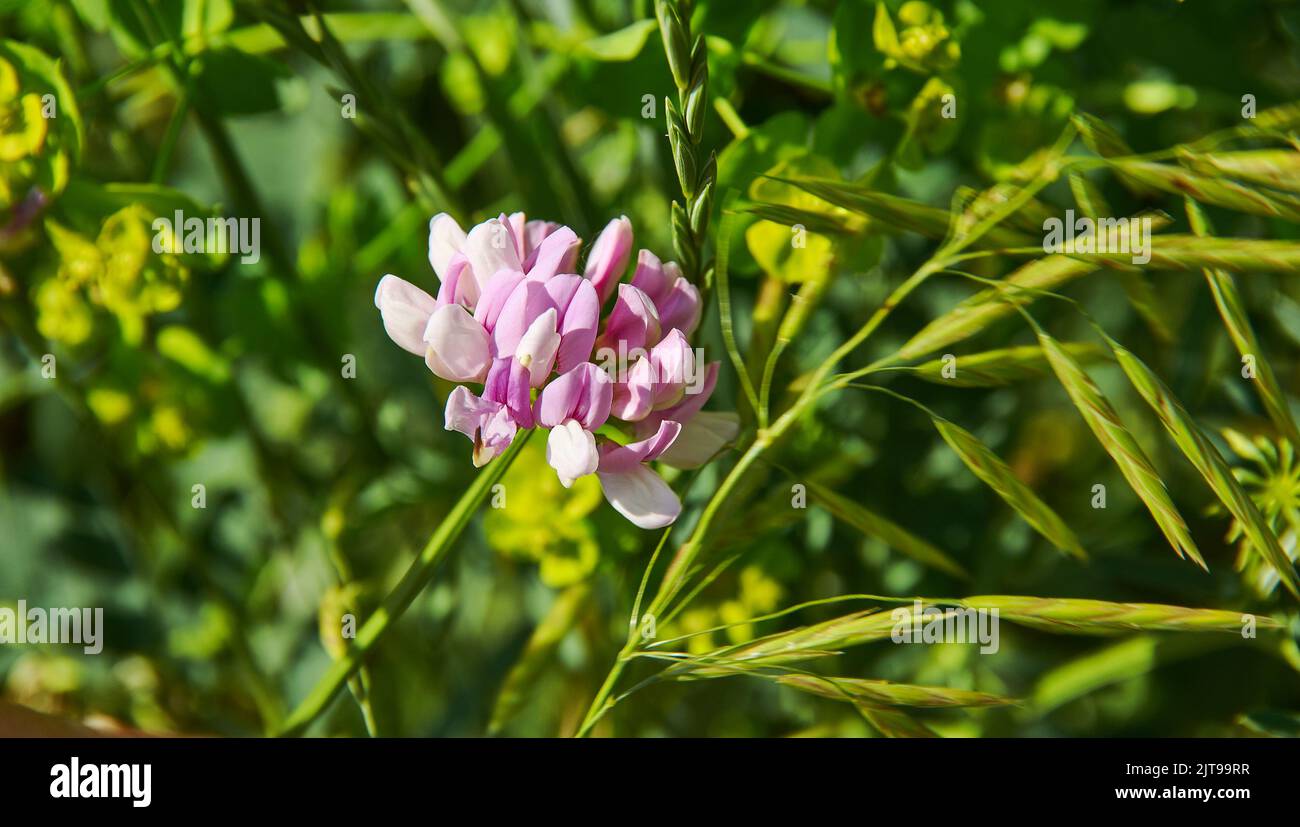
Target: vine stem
x,y
416,578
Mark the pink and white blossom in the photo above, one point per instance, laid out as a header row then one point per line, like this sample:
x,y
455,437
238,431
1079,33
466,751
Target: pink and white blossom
x,y
513,315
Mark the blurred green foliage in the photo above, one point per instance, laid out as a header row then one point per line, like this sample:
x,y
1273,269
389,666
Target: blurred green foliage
x,y
319,484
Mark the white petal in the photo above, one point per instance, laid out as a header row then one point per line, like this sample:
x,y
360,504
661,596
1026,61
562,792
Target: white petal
x,y
641,496
536,350
490,249
456,345
405,309
571,451
446,239
701,438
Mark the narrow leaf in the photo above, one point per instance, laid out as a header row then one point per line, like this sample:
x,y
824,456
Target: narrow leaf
x,y
1209,190
619,46
1056,614
1004,366
1189,252
892,694
900,213
1135,282
997,475
1278,168
1122,447
892,723
1226,298
885,530
987,306
1208,461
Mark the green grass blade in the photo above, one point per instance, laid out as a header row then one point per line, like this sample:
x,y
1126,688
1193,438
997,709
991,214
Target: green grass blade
x,y
1122,447
803,643
417,576
885,530
1217,191
892,694
1055,614
539,653
1226,298
1190,252
1136,286
892,723
1004,366
725,232
988,306
899,214
1198,449
1278,168
997,475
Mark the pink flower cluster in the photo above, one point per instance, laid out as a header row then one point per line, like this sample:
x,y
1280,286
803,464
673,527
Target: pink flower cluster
x,y
513,315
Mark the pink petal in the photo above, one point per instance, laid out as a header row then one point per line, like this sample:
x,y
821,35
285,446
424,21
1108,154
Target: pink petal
x,y
679,309
458,287
534,233
633,323
405,310
649,276
494,297
466,412
673,363
578,322
488,424
526,302
583,393
518,395
608,257
518,225
593,409
562,289
559,248
495,436
691,403
634,398
618,458
497,383
511,225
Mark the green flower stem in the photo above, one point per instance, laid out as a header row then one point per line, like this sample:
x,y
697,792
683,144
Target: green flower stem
x,y
418,576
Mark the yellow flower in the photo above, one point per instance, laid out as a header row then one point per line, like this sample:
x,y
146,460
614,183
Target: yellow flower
x,y
118,271
62,313
535,518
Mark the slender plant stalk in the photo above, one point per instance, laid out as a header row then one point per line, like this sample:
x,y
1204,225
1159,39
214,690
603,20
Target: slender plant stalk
x,y
418,575
724,311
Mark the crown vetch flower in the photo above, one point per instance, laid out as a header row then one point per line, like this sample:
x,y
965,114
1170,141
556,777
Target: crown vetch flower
x,y
512,314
